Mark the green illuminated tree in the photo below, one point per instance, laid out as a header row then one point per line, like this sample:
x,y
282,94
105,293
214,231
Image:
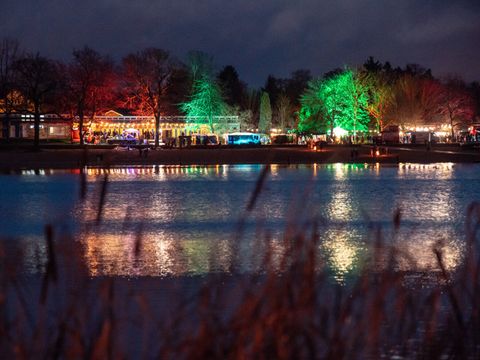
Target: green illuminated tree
x,y
333,100
206,103
357,102
323,104
265,121
312,111
340,100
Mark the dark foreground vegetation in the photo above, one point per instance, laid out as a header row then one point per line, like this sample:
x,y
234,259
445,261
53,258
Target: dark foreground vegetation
x,y
292,310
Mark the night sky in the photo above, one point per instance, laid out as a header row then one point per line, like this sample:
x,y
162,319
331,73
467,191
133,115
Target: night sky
x,y
259,37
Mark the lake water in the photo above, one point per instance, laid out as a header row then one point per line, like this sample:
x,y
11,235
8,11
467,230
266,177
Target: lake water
x,y
182,221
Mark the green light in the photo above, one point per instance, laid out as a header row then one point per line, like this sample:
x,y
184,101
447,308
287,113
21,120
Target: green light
x,y
337,102
205,103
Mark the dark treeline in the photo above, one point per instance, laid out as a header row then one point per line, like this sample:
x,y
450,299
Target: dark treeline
x,y
152,82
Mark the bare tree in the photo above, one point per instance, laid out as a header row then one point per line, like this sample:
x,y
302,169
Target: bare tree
x,y
90,79
200,64
9,98
251,104
284,111
147,74
416,100
38,80
380,97
457,104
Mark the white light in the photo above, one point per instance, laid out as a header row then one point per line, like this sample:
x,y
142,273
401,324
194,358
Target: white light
x,y
339,132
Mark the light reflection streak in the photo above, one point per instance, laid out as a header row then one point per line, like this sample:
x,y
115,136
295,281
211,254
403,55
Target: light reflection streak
x,y
46,172
161,254
417,251
274,170
342,249
437,171
339,171
165,253
340,206
161,170
345,252
438,204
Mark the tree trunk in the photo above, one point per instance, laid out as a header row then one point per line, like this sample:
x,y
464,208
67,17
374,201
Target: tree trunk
x,y
36,128
451,127
211,124
6,126
332,125
157,130
80,127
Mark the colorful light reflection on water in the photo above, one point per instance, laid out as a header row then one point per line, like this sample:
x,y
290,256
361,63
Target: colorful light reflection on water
x,y
187,217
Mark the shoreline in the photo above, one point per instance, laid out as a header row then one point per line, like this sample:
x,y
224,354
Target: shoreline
x,y
22,159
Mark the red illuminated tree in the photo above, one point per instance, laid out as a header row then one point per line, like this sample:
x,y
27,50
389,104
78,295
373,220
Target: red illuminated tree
x,y
416,100
456,104
91,84
147,76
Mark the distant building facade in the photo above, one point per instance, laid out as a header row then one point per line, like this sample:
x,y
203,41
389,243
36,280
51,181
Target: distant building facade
x,y
112,123
21,126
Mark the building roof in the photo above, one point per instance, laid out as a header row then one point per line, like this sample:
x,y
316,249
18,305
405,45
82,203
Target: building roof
x,y
113,113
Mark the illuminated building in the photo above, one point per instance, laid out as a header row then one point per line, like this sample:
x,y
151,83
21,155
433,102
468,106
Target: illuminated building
x,y
52,127
63,128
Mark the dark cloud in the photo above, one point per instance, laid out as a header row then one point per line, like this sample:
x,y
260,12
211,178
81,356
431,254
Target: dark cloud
x,y
259,37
